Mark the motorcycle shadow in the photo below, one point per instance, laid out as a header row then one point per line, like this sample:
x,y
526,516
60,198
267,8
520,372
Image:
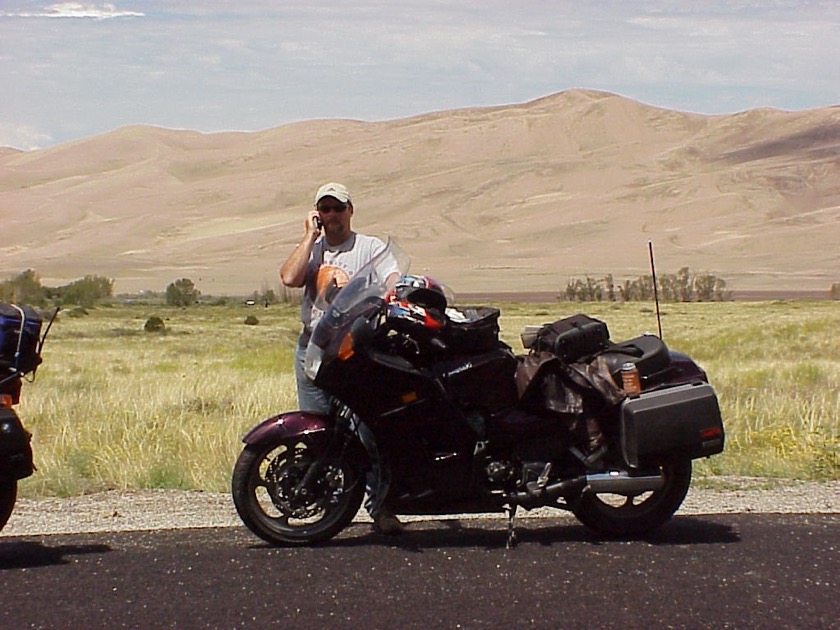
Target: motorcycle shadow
x,y
29,555
679,531
492,534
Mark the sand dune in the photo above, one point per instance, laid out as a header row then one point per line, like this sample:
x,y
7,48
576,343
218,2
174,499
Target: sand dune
x,y
513,198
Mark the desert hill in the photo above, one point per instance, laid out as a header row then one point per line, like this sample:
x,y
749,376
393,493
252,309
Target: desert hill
x,y
511,198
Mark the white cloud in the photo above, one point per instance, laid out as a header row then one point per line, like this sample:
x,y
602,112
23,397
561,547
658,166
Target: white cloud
x,y
213,65
102,11
23,137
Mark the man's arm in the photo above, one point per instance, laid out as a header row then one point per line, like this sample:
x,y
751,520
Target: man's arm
x,y
293,270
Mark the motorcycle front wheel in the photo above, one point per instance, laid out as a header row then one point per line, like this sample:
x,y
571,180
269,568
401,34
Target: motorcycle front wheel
x,y
620,515
8,496
274,504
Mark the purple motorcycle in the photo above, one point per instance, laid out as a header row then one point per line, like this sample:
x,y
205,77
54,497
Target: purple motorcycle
x,y
440,417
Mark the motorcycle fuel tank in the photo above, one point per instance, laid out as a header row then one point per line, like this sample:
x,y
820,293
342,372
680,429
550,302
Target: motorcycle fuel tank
x,y
485,380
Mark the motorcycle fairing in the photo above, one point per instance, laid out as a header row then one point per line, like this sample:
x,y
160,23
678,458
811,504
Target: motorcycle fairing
x,y
374,384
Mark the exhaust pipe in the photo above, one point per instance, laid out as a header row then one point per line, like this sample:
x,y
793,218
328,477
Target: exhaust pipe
x,y
620,482
537,495
612,482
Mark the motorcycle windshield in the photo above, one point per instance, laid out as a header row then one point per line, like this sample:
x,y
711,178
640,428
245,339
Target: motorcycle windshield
x,y
362,296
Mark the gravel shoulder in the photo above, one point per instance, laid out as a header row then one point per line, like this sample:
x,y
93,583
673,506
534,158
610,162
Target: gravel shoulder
x,y
139,510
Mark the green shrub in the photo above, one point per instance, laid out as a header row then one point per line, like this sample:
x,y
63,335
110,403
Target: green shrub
x,y
251,320
154,324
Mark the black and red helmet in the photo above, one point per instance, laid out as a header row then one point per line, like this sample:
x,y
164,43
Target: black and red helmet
x,y
418,301
420,291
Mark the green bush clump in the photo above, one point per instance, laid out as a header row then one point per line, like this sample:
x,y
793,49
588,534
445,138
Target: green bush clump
x,y
154,324
251,320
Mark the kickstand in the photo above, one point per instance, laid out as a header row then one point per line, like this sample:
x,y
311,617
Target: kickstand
x,y
511,538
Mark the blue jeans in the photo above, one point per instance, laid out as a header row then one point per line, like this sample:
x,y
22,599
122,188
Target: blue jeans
x,y
315,400
310,397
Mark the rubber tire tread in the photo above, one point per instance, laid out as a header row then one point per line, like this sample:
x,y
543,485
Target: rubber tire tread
x,y
244,501
605,520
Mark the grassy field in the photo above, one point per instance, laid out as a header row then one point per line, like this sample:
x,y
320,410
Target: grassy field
x,y
116,407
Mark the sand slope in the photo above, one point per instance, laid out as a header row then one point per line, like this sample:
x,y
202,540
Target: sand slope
x,y
509,198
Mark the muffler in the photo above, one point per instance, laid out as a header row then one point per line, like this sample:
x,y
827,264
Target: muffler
x,y
621,482
612,482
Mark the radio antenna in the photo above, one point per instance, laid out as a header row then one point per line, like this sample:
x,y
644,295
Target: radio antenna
x,y
655,290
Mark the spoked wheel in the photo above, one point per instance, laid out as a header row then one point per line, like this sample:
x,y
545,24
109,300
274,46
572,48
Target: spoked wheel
x,y
8,496
620,515
273,502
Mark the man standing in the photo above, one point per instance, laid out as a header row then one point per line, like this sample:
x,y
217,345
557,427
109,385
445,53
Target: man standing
x,y
328,255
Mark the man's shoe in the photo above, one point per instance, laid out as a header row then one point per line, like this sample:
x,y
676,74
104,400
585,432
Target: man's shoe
x,y
386,522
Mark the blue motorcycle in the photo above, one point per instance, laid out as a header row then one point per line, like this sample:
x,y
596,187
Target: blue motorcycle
x,y
20,355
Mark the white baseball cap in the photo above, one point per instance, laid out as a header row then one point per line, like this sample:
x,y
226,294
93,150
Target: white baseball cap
x,y
339,191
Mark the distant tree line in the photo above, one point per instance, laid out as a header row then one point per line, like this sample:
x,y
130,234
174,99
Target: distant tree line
x,y
26,288
183,293
682,286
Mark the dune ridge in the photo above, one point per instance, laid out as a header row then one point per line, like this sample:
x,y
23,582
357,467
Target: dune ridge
x,y
509,198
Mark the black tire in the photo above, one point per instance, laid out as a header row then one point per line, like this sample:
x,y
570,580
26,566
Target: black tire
x,y
8,496
264,477
618,515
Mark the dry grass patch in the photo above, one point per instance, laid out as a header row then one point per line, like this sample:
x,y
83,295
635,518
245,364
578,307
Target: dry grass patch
x,y
115,407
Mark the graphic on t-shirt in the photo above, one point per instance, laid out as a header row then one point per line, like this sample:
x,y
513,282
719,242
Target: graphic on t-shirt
x,y
329,281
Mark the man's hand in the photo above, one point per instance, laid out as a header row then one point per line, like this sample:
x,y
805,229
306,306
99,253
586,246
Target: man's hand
x,y
313,225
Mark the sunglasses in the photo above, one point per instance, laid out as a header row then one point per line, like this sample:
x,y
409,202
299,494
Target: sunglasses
x,y
336,208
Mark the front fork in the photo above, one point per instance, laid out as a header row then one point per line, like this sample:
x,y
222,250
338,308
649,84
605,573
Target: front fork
x,y
338,443
338,430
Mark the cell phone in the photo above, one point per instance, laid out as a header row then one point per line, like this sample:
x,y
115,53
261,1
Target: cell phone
x,y
318,223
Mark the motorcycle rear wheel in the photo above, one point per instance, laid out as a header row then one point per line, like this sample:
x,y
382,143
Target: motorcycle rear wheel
x,y
264,485
619,515
8,496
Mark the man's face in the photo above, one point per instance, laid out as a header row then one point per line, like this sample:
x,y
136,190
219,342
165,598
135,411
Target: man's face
x,y
334,214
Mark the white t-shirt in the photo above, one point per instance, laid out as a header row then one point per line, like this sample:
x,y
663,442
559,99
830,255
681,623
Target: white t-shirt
x,y
333,266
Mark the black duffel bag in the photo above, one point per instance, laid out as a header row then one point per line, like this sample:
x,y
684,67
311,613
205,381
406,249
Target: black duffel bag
x,y
573,338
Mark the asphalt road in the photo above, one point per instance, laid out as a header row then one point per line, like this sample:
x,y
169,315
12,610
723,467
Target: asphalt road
x,y
720,571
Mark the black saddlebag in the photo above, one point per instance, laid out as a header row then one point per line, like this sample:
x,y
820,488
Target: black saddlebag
x,y
682,422
572,338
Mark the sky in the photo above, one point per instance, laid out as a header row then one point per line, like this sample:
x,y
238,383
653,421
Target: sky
x,y
71,70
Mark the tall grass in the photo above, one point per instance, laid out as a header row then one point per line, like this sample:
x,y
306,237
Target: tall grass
x,y
775,366
116,407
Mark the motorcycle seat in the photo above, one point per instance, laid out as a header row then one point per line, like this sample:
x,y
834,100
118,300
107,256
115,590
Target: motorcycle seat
x,y
648,352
